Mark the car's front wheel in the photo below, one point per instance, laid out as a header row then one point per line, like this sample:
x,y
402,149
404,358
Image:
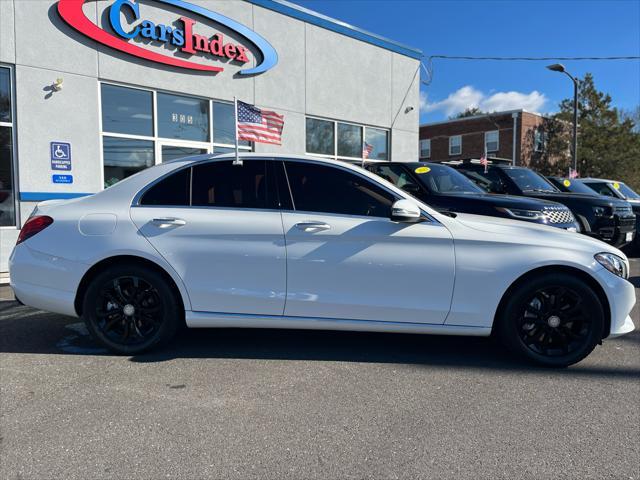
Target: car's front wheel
x,y
131,309
554,319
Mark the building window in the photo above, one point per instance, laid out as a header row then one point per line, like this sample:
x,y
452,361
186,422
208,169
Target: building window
x,y
539,140
346,141
491,141
425,148
7,185
141,128
455,145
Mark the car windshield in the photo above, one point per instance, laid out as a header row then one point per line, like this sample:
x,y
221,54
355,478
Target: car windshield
x,y
626,191
574,187
443,179
529,181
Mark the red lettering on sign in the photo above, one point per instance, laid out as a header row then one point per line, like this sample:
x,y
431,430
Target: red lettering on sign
x,y
242,54
188,35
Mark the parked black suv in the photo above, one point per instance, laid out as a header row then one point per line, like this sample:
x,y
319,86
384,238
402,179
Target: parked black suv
x,y
605,219
449,191
619,190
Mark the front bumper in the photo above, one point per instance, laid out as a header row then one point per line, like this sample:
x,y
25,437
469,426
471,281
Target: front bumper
x,y
622,297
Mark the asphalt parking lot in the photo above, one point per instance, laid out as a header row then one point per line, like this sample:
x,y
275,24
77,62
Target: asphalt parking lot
x,y
273,404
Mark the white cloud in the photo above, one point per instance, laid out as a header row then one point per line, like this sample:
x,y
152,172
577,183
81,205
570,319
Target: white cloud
x,y
469,97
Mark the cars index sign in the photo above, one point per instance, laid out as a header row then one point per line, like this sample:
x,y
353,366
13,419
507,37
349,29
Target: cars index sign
x,y
181,35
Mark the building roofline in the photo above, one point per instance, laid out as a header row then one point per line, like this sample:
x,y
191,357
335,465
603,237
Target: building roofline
x,y
476,117
309,16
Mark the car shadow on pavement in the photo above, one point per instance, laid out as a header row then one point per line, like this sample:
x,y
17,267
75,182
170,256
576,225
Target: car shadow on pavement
x,y
25,330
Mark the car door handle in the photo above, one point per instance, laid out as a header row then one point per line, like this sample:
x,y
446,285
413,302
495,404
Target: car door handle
x,y
312,226
168,222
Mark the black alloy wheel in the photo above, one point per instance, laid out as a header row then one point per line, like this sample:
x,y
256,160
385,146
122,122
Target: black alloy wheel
x,y
554,320
131,309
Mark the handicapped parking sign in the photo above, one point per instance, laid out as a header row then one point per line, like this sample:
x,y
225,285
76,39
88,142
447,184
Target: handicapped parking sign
x,y
60,156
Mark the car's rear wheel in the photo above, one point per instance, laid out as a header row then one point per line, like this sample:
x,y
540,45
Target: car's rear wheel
x,y
131,309
554,319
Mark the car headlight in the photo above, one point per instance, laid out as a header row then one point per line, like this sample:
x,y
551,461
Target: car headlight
x,y
613,263
601,212
524,214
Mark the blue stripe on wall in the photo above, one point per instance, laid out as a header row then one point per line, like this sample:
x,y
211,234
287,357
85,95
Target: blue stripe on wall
x,y
42,196
315,18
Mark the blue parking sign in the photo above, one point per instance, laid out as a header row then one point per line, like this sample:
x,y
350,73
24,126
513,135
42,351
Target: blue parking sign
x,y
60,156
62,178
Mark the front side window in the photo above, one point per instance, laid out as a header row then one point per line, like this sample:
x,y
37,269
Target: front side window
x,y
183,118
490,181
529,181
395,174
455,145
446,180
491,141
7,197
127,110
124,156
322,188
320,136
222,184
425,148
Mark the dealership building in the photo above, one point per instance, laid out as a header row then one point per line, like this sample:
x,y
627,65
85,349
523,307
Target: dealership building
x,y
94,91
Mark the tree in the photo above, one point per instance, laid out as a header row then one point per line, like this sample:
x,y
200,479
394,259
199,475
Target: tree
x,y
608,140
469,112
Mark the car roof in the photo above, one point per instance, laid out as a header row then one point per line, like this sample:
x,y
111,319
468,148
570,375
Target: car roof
x,y
603,180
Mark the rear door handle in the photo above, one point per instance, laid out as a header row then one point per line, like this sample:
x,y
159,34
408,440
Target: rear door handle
x,y
168,222
312,226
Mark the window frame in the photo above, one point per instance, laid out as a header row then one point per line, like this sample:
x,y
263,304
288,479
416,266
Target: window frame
x,y
426,141
486,142
451,144
14,149
157,140
335,155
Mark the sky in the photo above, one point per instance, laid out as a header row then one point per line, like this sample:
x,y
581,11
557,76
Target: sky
x,y
546,28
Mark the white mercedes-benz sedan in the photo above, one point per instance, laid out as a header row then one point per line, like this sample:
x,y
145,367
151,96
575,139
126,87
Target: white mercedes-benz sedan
x,y
294,242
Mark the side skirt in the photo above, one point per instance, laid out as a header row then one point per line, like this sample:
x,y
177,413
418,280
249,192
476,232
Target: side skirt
x,y
229,320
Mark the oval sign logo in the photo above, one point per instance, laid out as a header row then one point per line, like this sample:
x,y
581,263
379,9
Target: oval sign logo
x,y
182,36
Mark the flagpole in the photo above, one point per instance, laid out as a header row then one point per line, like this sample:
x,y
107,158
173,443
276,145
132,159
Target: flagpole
x,y
237,161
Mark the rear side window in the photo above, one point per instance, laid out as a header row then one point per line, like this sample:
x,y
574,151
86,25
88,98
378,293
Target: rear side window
x,y
321,188
222,184
170,191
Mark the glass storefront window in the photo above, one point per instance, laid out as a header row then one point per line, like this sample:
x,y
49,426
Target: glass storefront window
x,y
379,140
7,202
5,95
173,152
127,110
224,126
320,136
349,140
123,157
184,118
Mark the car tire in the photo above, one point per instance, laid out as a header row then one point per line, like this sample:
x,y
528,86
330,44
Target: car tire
x,y
554,319
131,309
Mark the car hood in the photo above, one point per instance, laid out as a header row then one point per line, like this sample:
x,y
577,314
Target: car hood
x,y
504,230
564,197
507,201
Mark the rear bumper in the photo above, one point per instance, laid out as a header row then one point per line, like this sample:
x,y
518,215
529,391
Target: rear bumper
x,y
43,281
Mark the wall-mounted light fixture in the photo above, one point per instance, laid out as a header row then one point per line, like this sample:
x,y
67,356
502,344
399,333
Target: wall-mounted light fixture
x,y
57,85
408,109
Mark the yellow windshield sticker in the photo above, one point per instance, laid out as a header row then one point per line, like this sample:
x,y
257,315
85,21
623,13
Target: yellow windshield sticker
x,y
616,185
566,183
422,170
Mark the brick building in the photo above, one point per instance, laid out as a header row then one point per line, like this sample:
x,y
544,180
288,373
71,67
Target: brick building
x,y
467,137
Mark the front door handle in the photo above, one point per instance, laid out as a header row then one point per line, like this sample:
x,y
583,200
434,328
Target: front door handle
x,y
168,222
312,226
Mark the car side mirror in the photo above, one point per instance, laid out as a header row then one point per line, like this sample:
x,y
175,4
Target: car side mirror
x,y
411,188
405,211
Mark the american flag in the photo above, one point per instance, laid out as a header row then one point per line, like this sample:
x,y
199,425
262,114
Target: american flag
x,y
256,125
484,162
573,173
366,150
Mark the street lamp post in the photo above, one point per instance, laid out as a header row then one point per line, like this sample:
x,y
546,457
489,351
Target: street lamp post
x,y
558,67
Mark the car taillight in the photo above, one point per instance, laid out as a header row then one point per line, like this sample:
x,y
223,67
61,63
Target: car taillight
x,y
32,226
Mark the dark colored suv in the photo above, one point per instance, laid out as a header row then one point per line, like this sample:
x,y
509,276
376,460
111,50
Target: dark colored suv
x,y
602,218
447,190
619,190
